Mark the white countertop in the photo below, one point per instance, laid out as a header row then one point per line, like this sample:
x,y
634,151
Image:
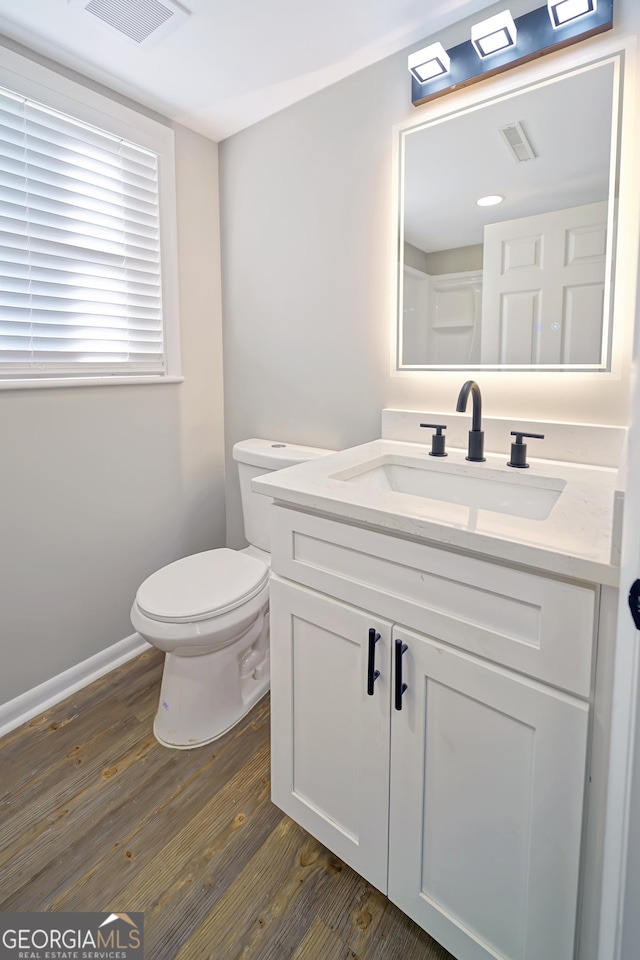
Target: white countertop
x,y
574,541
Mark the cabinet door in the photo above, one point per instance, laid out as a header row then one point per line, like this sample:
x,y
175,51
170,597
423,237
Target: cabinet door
x,y
487,782
330,738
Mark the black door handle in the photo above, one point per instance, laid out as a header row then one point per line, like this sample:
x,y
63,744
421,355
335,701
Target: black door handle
x,y
400,686
372,673
634,603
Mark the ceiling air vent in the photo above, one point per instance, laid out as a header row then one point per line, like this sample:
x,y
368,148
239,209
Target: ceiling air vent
x,y
142,21
517,142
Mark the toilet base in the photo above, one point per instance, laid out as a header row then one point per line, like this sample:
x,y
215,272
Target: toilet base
x,y
203,697
257,696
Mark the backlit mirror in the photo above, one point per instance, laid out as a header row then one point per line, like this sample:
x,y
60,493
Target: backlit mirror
x,y
525,283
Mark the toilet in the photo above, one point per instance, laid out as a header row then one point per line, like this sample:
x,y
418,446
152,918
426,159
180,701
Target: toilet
x,y
209,613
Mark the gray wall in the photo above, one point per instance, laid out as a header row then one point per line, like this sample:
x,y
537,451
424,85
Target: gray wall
x,y
307,260
456,260
100,486
305,208
414,257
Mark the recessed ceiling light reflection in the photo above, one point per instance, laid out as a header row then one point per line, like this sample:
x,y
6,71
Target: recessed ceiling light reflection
x,y
490,201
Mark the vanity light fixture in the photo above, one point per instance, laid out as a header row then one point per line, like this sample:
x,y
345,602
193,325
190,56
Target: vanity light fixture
x,y
490,201
432,61
565,11
495,34
502,42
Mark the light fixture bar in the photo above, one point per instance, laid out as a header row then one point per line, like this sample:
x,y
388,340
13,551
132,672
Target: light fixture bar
x,y
534,35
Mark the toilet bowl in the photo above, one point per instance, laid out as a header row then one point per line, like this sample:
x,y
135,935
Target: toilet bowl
x,y
209,613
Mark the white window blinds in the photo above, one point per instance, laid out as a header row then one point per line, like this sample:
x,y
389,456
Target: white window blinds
x,y
80,287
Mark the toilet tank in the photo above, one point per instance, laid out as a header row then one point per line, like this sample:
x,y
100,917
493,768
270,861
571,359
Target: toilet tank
x,y
255,457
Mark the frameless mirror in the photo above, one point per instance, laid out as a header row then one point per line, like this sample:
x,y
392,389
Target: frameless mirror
x,y
525,283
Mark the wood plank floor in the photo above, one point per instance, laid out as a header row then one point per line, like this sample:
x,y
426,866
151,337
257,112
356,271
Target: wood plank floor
x,y
96,815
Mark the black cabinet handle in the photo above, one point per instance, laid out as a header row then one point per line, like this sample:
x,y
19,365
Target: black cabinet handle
x,y
400,686
372,673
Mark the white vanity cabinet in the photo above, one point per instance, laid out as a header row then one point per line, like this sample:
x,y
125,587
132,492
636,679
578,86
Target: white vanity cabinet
x,y
465,805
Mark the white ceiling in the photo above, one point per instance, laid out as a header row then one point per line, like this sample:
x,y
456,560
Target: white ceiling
x,y
233,62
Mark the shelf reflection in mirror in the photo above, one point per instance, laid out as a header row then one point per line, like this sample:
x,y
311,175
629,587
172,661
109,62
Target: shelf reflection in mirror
x,y
527,283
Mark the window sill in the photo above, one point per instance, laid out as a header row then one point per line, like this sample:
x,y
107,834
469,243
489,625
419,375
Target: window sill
x,y
84,382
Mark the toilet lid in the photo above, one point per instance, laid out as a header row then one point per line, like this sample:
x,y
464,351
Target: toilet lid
x,y
204,585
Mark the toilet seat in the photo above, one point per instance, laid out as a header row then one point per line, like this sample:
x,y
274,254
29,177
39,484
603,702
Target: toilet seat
x,y
202,586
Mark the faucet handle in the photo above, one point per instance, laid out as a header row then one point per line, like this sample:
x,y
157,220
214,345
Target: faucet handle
x,y
437,440
519,449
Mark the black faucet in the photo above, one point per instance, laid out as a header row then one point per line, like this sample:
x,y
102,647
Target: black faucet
x,y
476,434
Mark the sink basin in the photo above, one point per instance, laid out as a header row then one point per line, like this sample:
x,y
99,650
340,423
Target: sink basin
x,y
482,488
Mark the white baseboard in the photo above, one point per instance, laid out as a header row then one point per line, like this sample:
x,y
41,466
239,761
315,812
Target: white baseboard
x,y
47,694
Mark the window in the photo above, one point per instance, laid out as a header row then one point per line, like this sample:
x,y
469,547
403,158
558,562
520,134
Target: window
x,y
84,292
